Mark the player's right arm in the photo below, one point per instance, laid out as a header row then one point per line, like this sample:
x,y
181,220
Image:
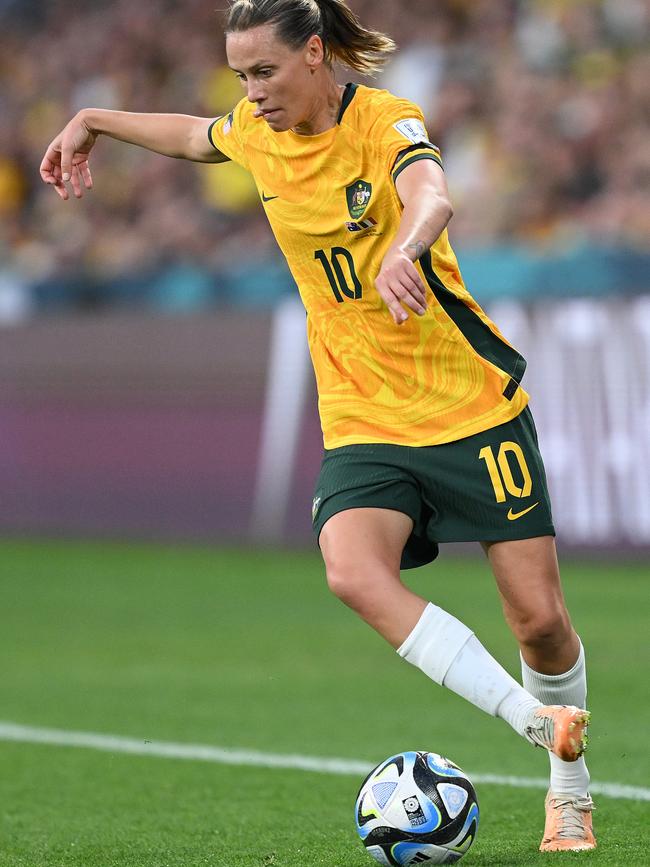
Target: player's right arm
x,y
175,135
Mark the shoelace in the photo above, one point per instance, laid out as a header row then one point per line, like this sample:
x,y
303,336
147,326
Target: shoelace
x,y
540,732
571,823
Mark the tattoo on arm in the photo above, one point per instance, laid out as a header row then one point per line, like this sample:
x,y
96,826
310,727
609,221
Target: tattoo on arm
x,y
419,248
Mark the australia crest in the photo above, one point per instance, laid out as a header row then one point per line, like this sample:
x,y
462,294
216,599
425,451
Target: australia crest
x,y
358,195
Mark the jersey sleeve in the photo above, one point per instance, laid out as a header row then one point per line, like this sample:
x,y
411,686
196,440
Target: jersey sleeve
x,y
227,134
403,138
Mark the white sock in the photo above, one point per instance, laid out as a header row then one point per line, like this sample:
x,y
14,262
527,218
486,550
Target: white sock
x,y
567,778
449,653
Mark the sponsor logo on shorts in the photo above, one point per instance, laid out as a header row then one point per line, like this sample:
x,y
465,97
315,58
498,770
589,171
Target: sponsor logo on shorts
x,y
514,516
315,506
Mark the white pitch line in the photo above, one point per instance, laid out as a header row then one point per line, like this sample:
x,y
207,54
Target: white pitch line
x,y
224,756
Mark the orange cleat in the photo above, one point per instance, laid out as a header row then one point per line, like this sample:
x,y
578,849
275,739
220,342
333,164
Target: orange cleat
x,y
561,729
568,824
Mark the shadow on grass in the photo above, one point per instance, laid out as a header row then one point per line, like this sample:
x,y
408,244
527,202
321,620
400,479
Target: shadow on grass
x,y
517,855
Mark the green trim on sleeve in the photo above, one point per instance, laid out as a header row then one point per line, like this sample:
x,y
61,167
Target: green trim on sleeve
x,y
210,139
428,155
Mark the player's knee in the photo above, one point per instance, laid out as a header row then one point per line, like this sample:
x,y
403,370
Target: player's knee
x,y
544,629
348,582
355,582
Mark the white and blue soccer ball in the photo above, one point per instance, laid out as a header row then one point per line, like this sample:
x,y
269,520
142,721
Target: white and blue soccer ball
x,y
417,808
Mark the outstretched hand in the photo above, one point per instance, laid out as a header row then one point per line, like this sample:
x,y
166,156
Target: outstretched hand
x,y
66,159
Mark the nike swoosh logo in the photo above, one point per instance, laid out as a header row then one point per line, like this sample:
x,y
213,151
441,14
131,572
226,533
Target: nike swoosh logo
x,y
512,516
266,198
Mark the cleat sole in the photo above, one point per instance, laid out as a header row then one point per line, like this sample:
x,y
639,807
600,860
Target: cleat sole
x,y
578,847
577,744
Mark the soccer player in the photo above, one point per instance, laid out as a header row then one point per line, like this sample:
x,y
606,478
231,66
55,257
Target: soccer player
x,y
427,433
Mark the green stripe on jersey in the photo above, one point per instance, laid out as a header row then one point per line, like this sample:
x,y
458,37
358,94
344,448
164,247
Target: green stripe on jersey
x,y
480,336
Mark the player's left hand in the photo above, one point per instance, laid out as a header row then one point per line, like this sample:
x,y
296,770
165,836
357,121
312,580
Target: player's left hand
x,y
400,285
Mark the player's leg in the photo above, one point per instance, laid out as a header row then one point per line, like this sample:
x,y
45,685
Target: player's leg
x,y
553,669
528,578
362,550
368,506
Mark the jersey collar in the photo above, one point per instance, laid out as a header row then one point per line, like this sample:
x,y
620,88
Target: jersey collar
x,y
348,96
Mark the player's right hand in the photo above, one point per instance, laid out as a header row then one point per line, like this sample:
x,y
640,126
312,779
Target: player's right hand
x,y
400,285
66,159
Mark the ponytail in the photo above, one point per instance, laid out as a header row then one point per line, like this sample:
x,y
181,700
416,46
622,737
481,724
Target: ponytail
x,y
345,39
349,42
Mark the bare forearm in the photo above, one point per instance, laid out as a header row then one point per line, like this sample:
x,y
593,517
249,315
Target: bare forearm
x,y
426,213
174,135
424,219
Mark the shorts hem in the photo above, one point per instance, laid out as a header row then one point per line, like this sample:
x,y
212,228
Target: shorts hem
x,y
319,525
497,536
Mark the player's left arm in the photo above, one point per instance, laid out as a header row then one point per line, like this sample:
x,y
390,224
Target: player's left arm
x,y
422,189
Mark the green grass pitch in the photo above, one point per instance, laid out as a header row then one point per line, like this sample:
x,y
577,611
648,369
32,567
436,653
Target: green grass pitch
x,y
247,649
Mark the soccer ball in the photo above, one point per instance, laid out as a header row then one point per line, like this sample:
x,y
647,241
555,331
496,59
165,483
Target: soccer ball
x,y
417,808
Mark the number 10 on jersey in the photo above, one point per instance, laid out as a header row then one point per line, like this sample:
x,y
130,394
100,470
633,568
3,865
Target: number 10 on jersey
x,y
341,273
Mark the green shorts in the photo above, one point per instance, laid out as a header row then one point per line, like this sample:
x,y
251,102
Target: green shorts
x,y
489,487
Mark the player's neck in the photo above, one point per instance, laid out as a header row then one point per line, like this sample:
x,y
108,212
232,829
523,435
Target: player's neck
x,y
325,108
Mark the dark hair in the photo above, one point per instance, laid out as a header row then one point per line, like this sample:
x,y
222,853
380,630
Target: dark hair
x,y
345,39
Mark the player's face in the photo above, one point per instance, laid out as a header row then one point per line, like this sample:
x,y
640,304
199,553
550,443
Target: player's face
x,y
279,79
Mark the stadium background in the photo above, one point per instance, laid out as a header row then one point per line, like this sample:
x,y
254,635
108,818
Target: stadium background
x,y
154,385
142,355
137,395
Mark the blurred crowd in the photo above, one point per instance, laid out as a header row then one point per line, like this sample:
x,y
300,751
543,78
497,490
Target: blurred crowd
x,y
541,109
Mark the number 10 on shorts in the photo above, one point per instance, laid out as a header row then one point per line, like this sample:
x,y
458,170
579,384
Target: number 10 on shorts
x,y
501,473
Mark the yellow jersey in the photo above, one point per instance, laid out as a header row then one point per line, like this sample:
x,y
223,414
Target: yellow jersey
x,y
334,209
